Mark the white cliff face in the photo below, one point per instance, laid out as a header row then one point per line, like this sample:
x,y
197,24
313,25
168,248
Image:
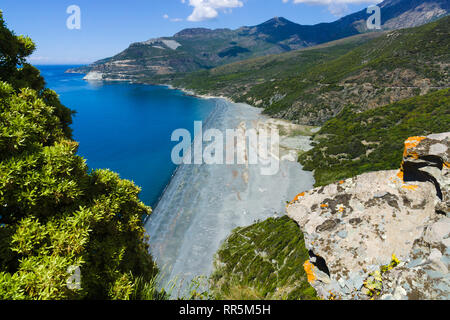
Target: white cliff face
x,y
362,224
94,76
162,44
172,44
422,14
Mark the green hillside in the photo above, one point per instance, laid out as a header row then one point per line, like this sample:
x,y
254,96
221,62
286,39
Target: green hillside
x,y
312,86
263,261
162,59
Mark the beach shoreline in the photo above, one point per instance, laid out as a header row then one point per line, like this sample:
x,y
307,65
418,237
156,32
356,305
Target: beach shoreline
x,y
202,204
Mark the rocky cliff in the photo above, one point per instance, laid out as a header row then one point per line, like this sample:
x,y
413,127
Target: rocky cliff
x,y
382,235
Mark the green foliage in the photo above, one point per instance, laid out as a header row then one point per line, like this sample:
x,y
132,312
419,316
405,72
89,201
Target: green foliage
x,y
263,261
374,284
147,290
340,154
27,122
54,213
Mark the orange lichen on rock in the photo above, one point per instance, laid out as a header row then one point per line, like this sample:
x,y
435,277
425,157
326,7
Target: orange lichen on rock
x,y
309,269
413,155
412,142
298,196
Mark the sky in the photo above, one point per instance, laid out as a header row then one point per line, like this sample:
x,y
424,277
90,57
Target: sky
x,y
109,27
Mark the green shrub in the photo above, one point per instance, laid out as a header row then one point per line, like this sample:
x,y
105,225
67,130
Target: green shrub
x,y
263,261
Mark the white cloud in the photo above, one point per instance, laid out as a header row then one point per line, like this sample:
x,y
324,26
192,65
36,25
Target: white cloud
x,y
336,7
166,16
209,9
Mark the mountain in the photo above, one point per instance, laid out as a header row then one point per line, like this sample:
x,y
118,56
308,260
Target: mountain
x,y
200,48
311,86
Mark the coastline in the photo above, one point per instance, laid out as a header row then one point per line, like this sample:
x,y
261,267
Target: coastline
x,y
189,92
194,94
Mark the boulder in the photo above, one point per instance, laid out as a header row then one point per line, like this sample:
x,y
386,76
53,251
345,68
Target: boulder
x,y
382,235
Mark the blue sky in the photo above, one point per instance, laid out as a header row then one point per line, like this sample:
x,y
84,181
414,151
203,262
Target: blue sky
x,y
108,27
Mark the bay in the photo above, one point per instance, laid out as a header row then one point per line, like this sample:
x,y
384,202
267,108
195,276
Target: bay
x,y
127,127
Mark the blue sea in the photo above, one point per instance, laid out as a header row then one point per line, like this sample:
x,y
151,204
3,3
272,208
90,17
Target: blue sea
x,y
127,127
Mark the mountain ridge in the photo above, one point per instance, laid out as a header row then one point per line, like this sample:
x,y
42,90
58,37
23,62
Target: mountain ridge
x,y
201,48
312,85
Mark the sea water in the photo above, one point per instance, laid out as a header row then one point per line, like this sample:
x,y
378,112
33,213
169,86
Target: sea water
x,y
127,127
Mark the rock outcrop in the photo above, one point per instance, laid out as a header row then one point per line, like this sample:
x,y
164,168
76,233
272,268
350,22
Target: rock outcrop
x,y
382,235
